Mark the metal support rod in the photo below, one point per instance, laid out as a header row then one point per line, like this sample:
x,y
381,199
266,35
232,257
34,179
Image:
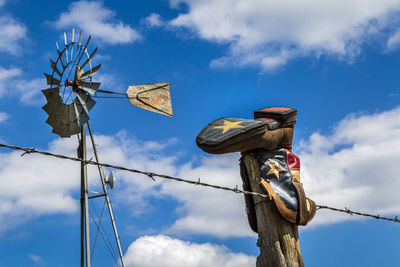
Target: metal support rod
x,y
103,183
84,201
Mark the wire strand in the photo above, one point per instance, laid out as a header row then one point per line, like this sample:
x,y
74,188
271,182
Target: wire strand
x,y
198,182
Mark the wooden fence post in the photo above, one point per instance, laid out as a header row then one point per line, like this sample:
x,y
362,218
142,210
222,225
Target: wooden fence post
x,y
278,239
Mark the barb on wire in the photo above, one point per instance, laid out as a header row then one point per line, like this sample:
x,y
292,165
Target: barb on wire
x,y
28,151
194,182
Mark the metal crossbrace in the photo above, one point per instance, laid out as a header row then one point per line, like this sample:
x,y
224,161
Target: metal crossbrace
x,y
98,230
151,175
105,239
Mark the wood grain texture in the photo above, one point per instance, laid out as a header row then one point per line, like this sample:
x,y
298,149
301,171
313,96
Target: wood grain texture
x,y
278,239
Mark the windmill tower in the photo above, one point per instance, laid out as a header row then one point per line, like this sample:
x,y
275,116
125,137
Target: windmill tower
x,y
69,100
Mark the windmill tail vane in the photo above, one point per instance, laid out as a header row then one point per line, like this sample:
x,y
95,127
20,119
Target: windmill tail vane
x,y
154,97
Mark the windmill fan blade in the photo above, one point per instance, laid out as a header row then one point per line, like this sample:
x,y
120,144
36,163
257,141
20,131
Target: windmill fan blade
x,y
59,55
84,49
89,87
51,93
53,100
78,47
91,71
52,80
83,101
154,97
90,58
83,104
72,43
54,67
66,47
62,117
80,37
78,74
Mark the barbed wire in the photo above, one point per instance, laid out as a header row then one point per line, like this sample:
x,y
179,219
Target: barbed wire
x,y
148,174
346,210
151,175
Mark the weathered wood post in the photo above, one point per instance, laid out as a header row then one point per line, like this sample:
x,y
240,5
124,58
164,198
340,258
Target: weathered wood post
x,y
278,239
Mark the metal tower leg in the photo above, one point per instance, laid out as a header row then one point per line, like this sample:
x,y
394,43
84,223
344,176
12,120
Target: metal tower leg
x,y
85,238
110,211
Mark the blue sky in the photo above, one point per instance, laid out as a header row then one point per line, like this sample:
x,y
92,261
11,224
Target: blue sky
x,y
336,62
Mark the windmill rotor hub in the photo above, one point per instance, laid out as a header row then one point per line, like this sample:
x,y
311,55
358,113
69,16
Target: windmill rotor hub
x,y
74,84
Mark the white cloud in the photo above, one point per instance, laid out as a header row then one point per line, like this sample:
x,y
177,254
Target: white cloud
x,y
207,210
393,40
109,82
6,76
165,251
12,33
33,185
34,258
27,91
201,210
102,57
95,18
3,117
153,20
355,167
269,33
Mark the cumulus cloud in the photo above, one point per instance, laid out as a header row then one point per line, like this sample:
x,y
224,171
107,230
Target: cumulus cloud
x,y
109,81
165,251
206,210
34,258
95,18
33,186
6,76
3,117
153,20
355,166
29,91
12,34
270,33
13,85
199,208
393,40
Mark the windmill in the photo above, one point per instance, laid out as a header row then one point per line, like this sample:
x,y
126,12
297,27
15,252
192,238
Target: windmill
x,y
69,100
